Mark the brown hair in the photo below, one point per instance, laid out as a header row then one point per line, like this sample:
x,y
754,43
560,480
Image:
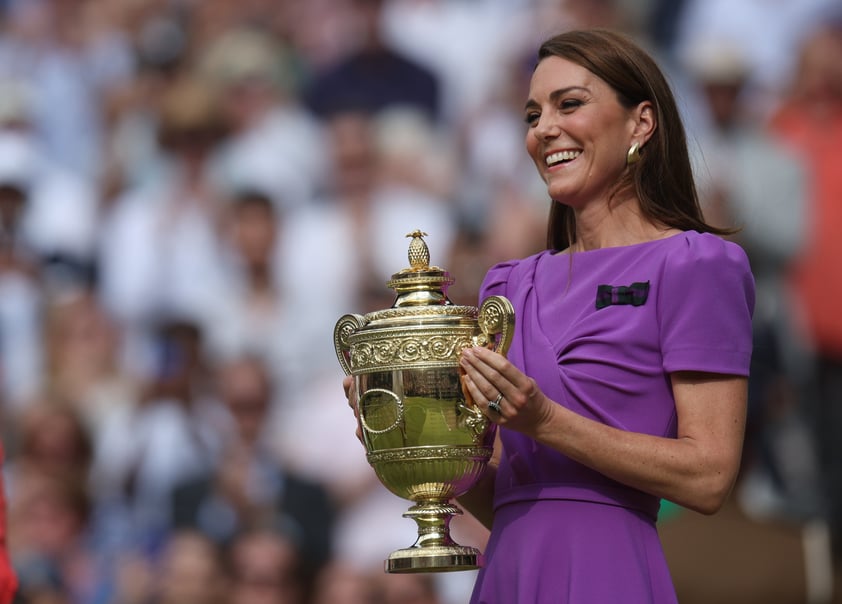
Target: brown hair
x,y
663,178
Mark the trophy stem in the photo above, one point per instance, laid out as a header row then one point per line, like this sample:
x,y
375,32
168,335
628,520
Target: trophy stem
x,y
434,550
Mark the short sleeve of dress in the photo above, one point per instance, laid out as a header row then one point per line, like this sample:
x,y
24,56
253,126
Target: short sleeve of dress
x,y
496,280
705,303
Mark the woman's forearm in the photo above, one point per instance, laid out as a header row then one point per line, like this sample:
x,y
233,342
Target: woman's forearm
x,y
696,470
480,499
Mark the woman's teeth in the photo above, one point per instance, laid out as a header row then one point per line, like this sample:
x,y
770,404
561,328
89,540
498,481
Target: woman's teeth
x,y
561,156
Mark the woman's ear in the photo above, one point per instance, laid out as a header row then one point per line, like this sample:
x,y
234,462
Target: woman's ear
x,y
645,122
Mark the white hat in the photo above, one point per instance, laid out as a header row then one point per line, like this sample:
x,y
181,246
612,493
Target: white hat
x,y
718,61
17,160
15,102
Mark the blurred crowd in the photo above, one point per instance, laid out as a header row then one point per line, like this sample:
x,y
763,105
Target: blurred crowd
x,y
192,192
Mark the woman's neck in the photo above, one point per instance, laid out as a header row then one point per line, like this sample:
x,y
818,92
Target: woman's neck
x,y
616,226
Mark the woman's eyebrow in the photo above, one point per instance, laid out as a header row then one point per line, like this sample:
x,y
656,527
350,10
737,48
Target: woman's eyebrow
x,y
554,95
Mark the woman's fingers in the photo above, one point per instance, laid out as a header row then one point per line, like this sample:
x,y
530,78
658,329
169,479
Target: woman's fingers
x,y
493,368
484,386
479,397
493,376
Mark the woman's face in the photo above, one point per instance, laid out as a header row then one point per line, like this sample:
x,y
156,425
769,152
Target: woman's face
x,y
578,132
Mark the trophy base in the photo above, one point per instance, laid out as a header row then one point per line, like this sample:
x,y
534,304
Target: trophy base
x,y
447,558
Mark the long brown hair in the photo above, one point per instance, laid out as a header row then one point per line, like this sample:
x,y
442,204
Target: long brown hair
x,y
663,178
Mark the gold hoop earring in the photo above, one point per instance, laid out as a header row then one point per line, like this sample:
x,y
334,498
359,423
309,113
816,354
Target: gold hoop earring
x,y
633,156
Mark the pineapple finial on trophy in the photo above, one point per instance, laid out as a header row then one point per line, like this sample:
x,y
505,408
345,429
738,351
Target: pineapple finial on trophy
x,y
419,253
420,283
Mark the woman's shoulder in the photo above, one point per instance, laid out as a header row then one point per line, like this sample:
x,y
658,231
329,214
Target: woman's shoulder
x,y
502,273
695,249
704,262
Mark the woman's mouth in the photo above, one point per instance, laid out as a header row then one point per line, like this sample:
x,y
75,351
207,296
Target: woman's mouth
x,y
561,157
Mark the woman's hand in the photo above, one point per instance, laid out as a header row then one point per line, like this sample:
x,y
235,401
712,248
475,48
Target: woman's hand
x,y
504,394
349,386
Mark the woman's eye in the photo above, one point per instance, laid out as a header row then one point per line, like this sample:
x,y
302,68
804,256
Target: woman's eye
x,y
570,104
531,118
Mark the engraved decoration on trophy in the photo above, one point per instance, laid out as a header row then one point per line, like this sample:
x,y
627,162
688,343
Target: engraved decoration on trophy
x,y
424,439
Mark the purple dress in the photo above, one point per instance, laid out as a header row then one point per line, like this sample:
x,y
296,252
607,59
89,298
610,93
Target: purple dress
x,y
600,331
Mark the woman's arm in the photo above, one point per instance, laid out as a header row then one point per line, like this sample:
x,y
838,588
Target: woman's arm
x,y
478,501
697,469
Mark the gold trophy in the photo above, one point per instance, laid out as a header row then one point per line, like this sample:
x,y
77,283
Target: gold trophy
x,y
424,439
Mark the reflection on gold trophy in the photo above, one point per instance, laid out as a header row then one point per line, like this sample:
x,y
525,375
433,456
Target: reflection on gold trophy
x,y
425,441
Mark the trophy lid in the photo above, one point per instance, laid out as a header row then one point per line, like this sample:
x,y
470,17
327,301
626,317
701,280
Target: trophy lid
x,y
420,284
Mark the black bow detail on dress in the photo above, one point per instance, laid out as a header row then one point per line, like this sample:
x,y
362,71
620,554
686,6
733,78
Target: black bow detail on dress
x,y
610,295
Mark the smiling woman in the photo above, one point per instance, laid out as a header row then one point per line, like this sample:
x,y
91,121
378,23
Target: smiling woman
x,y
625,382
579,134
588,76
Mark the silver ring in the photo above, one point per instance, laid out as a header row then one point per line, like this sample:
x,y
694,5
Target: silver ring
x,y
495,404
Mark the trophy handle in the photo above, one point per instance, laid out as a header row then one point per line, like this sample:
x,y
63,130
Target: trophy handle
x,y
389,395
345,327
497,318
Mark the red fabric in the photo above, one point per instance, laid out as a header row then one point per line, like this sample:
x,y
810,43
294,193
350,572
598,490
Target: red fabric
x,y
8,580
816,275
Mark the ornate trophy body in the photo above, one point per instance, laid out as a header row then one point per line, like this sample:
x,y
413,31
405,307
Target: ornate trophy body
x,y
425,441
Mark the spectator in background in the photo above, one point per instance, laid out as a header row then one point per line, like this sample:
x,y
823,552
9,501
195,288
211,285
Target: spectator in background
x,y
500,194
810,122
49,539
59,218
412,588
319,31
375,76
159,251
249,488
253,312
270,306
342,583
49,502
160,40
265,568
82,346
52,440
414,185
442,37
72,56
274,143
21,349
767,33
749,180
148,446
389,175
189,571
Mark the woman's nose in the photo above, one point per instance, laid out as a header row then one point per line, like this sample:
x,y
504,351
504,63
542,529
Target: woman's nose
x,y
546,128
